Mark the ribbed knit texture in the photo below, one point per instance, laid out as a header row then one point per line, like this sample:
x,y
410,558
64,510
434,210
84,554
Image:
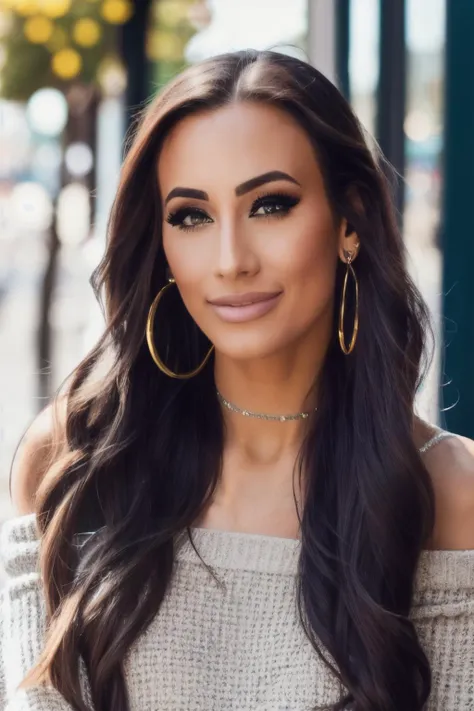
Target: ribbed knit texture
x,y
240,648
236,644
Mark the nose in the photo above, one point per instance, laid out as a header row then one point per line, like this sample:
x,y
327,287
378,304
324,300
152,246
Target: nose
x,y
237,256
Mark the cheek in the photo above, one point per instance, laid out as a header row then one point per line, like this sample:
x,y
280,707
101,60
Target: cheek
x,y
189,265
182,259
310,267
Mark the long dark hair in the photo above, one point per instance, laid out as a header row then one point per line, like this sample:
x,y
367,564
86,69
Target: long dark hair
x,y
140,454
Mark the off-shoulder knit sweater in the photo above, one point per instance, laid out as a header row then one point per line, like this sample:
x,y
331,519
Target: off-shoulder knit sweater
x,y
240,647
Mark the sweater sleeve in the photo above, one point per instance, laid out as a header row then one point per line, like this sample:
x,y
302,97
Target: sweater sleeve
x,y
22,619
443,613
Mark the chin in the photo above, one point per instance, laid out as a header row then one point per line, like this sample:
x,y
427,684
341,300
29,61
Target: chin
x,y
240,346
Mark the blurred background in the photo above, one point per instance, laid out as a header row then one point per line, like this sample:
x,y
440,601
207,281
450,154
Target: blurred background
x,y
73,73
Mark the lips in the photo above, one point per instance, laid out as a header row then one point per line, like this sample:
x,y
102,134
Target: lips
x,y
244,299
238,308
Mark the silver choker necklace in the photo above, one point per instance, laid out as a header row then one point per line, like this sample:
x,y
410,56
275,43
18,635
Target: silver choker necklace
x,y
262,416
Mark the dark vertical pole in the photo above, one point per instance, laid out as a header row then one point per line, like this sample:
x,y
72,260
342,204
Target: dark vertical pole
x,y
343,46
136,62
457,239
44,337
391,92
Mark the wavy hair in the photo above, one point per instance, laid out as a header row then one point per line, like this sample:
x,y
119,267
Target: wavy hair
x,y
139,455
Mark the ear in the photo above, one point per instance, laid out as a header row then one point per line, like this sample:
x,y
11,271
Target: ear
x,y
349,243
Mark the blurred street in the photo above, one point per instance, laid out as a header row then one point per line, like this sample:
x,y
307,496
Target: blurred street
x,y
19,400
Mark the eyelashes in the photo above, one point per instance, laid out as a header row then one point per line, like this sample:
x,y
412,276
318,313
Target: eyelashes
x,y
178,217
274,205
281,203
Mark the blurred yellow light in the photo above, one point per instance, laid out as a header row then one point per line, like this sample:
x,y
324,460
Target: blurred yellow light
x,y
38,29
58,39
117,12
112,76
86,32
55,8
25,7
164,46
66,63
171,12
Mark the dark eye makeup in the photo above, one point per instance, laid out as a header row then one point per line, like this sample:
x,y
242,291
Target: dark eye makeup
x,y
272,204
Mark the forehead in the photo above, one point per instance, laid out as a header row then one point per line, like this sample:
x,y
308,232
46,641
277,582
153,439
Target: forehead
x,y
228,145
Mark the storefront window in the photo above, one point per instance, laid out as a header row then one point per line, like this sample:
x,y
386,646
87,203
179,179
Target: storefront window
x,y
425,32
364,24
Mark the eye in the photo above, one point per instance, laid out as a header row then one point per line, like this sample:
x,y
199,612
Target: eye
x,y
273,204
187,218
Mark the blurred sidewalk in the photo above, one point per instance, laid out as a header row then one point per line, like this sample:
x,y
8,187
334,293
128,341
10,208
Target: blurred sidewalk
x,y
18,323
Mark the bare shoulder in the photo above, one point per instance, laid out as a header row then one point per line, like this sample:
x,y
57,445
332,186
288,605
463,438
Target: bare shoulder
x,y
35,456
450,463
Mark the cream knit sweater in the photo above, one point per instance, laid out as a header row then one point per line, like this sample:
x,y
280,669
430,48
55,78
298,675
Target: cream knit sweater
x,y
238,648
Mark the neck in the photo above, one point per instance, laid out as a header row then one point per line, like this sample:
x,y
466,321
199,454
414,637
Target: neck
x,y
270,386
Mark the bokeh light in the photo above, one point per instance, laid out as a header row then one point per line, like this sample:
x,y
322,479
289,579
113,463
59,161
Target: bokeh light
x,y
55,8
164,46
86,32
47,111
45,165
419,125
171,12
117,12
112,76
26,7
79,159
15,139
66,63
46,158
38,29
73,214
31,206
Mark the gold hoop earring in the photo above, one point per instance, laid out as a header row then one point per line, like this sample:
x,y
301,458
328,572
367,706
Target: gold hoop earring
x,y
154,353
355,329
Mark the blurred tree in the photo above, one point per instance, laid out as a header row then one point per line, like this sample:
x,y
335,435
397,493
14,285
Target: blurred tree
x,y
82,48
55,42
71,46
172,24
153,46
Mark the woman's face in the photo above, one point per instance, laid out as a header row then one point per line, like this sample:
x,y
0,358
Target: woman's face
x,y
246,222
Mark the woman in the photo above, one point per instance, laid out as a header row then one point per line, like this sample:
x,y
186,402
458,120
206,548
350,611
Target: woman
x,y
237,507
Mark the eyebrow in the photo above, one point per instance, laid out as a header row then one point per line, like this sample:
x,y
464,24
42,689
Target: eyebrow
x,y
240,190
